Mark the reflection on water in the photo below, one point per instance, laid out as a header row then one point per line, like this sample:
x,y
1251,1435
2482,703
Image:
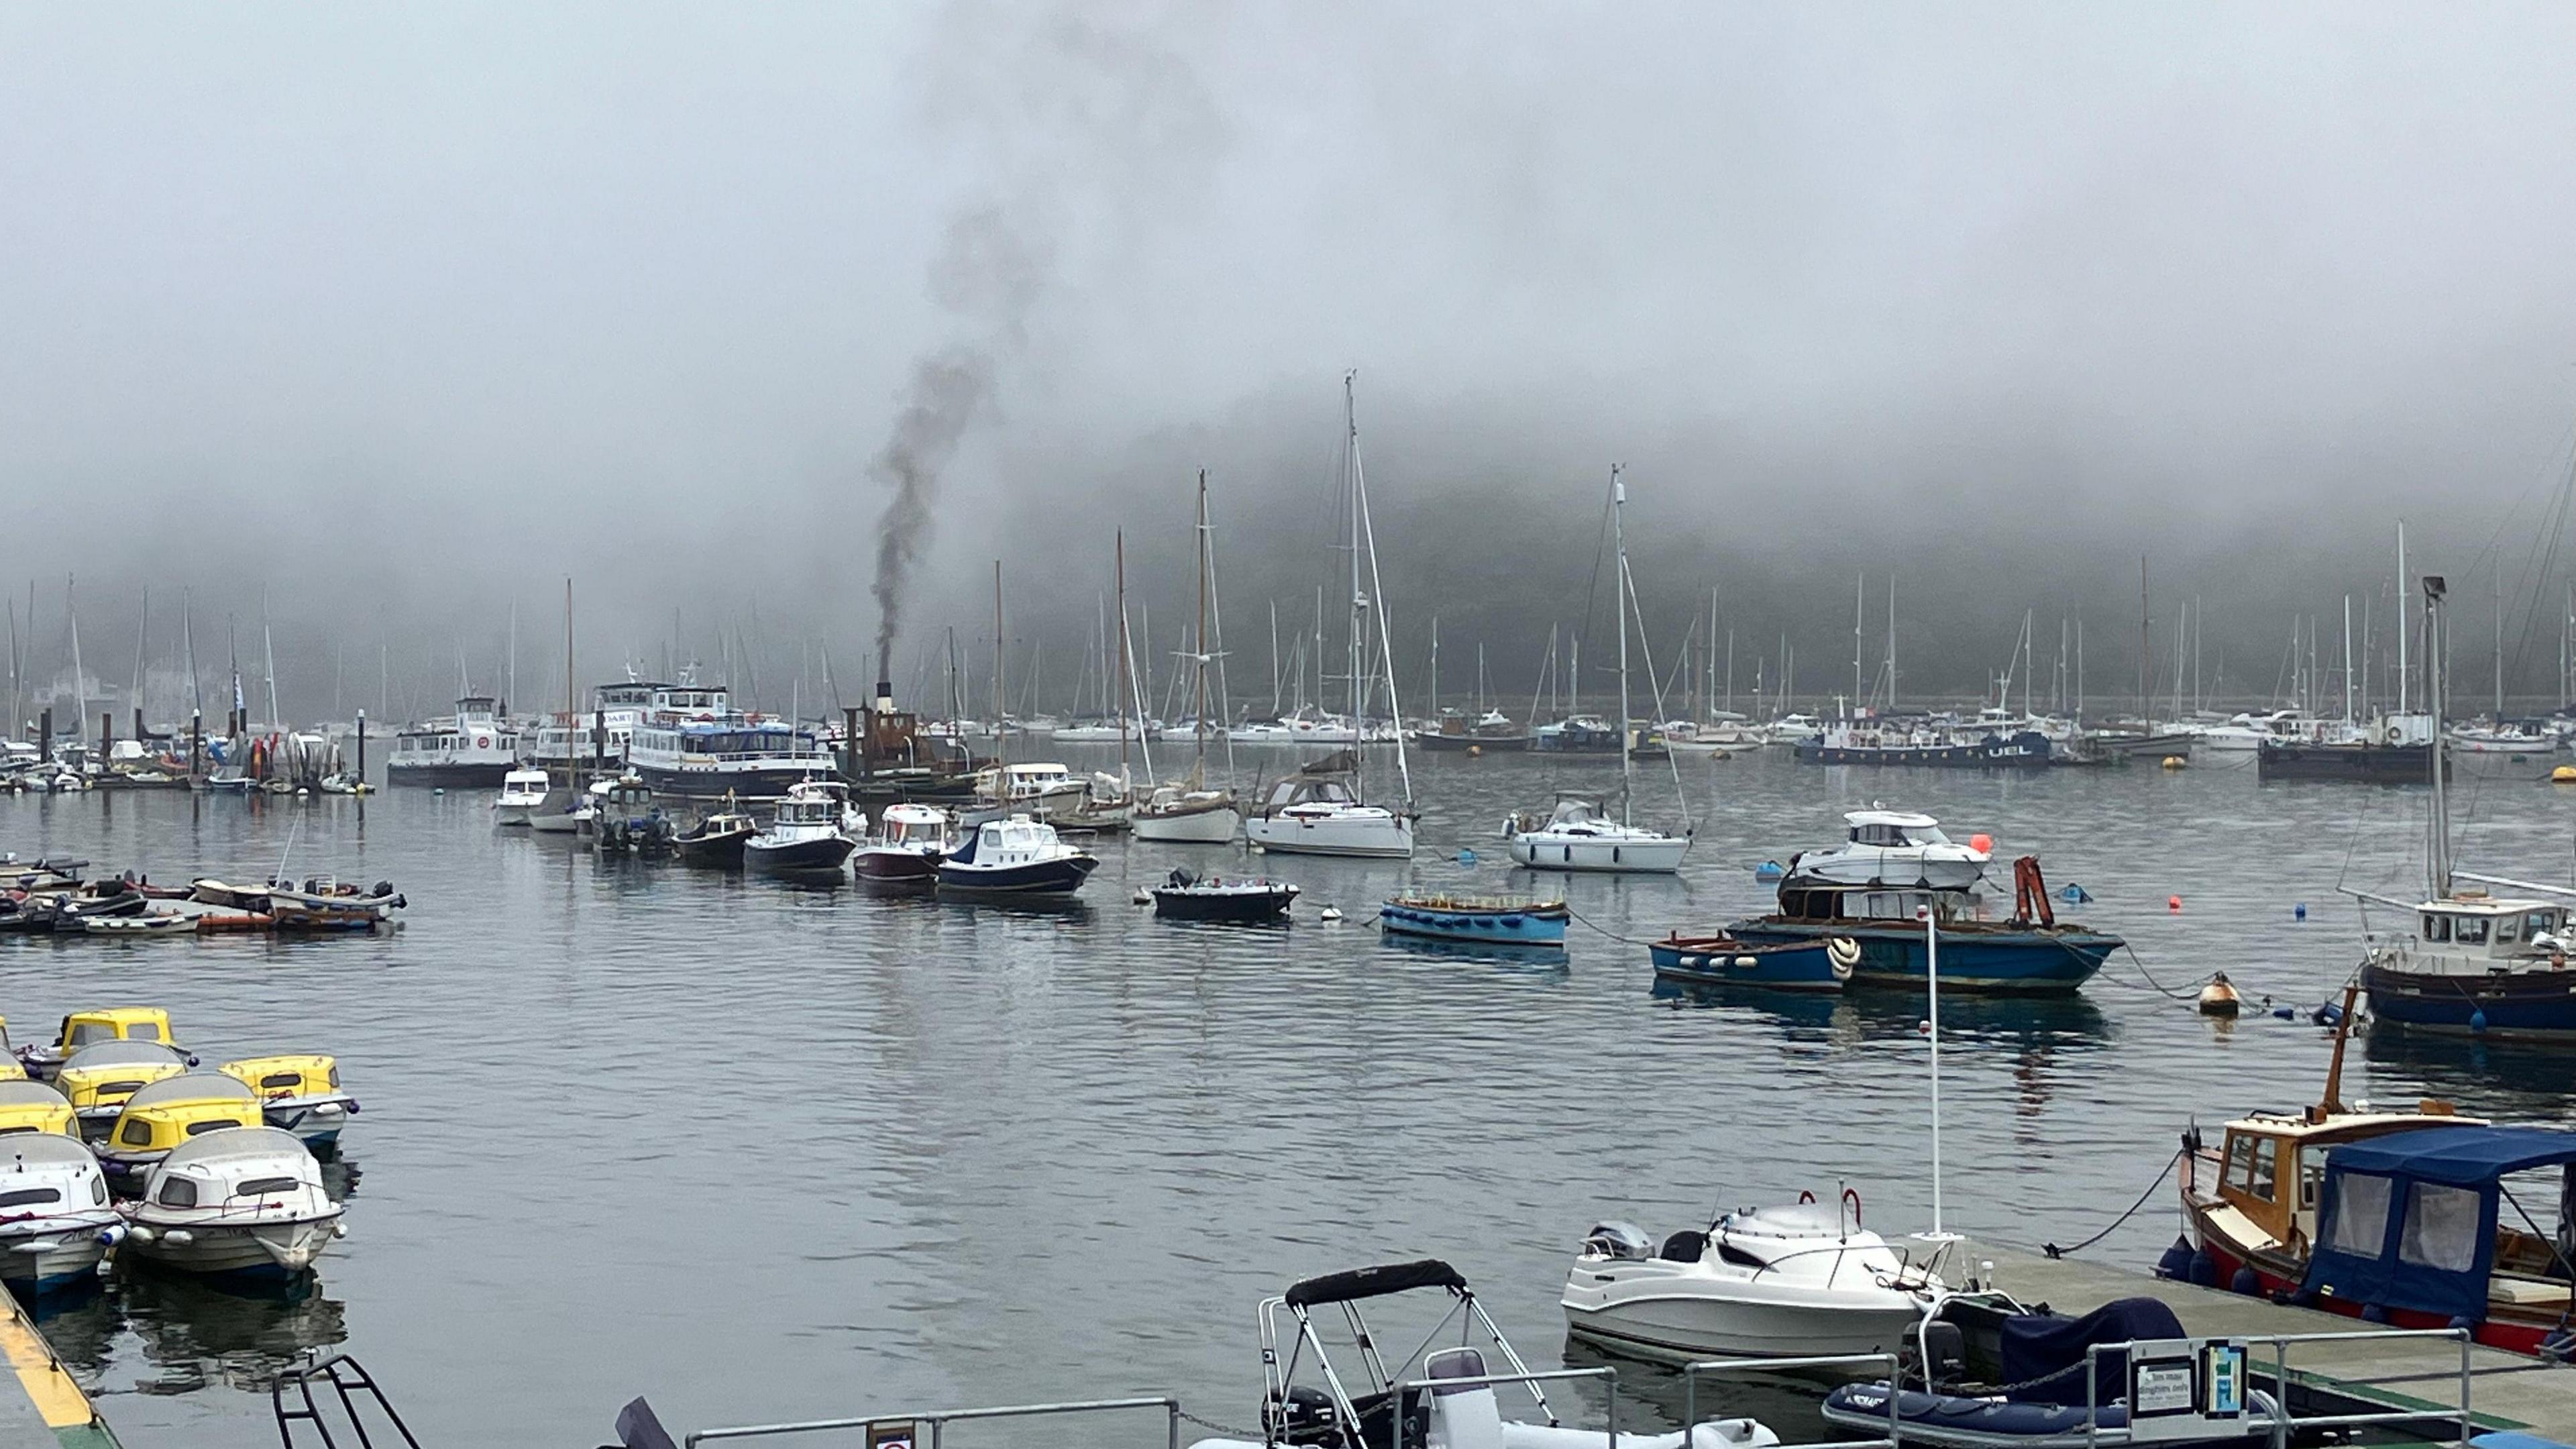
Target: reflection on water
x,y
770,1150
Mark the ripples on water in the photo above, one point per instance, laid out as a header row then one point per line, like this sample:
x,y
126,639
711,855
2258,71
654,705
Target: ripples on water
x,y
762,1151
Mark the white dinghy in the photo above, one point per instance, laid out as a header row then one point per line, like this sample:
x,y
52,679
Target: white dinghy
x,y
1450,1398
1773,1282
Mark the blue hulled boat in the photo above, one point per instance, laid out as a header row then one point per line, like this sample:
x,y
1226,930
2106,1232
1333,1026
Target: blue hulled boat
x,y
1464,918
1821,965
2030,953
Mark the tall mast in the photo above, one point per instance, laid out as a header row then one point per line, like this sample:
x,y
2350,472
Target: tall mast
x,y
1001,711
268,648
2498,717
1860,614
1435,666
2347,659
80,680
142,641
1891,643
1359,600
1198,727
1619,547
1122,653
572,752
2146,640
2437,854
2403,619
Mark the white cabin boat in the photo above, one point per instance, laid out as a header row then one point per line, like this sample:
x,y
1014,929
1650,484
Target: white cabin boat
x,y
695,745
475,748
55,1218
1774,1282
1893,848
521,792
243,1201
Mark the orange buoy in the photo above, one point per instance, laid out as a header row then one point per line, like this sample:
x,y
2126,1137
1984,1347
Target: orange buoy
x,y
1982,841
2173,903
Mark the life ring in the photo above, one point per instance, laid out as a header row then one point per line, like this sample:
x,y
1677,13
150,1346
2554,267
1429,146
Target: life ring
x,y
482,742
2392,735
1844,952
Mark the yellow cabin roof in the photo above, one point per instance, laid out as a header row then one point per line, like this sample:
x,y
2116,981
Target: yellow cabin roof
x,y
115,1023
10,1070
35,1107
288,1074
164,1125
96,1086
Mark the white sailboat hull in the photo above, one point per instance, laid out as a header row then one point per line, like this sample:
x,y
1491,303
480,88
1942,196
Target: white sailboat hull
x,y
1367,833
1638,855
1213,825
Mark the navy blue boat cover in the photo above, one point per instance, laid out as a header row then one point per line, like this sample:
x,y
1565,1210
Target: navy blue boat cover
x,y
2409,1220
2044,1352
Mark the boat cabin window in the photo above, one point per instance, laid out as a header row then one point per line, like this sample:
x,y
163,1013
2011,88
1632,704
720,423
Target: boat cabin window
x,y
2470,931
137,1133
2252,1164
2358,1223
259,1185
90,1031
145,1031
2508,929
282,1079
2538,924
199,1129
22,1197
1878,835
2441,1227
2436,928
178,1192
2312,1177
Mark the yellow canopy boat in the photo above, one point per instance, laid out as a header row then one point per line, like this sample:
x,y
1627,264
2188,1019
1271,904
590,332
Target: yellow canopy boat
x,y
98,1079
161,1115
300,1093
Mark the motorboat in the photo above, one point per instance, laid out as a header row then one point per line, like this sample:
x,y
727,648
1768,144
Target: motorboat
x,y
323,903
35,1107
161,1115
98,1078
906,847
1014,857
1449,1397
88,1028
2029,953
1804,1280
474,748
717,841
625,820
1894,848
2055,1389
1815,965
521,792
802,838
1183,896
1483,920
299,1092
253,900
1576,836
56,1221
244,1201
142,925
1322,814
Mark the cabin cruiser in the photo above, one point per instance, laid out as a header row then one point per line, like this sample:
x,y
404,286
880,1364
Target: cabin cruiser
x,y
161,1115
299,1092
1450,1397
98,1078
1018,857
717,841
55,1218
521,792
245,1200
906,847
88,1028
35,1107
473,748
1578,837
1893,848
1768,1282
1320,814
803,837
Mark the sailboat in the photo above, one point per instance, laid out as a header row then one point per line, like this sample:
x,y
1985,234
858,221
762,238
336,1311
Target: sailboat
x,y
564,809
1578,836
1323,808
1188,811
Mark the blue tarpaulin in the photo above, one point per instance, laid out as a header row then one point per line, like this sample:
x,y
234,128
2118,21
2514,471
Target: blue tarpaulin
x,y
2409,1220
2043,1353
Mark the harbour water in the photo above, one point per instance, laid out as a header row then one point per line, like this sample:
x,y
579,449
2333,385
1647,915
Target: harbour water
x,y
763,1151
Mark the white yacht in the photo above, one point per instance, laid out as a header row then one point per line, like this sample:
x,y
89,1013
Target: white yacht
x,y
55,1218
1187,813
521,792
243,1200
1578,837
473,748
1892,848
1321,814
1772,1282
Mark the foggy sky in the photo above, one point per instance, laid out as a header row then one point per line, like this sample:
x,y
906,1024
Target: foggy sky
x,y
404,314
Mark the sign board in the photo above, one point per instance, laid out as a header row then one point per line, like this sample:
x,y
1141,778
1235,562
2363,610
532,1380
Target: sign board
x,y
891,1434
2186,1389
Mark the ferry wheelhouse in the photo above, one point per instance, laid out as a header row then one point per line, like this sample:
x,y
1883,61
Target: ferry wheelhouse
x,y
692,743
472,748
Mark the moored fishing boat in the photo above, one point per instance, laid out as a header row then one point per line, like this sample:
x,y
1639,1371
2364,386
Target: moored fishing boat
x,y
299,1092
252,900
717,841
521,792
1894,848
2029,953
88,1028
244,1201
27,1106
1014,857
161,1115
98,1079
1185,897
1821,965
803,837
1483,920
56,1221
906,847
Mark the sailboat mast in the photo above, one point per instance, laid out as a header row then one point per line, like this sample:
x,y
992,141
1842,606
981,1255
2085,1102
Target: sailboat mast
x,y
1619,547
1359,600
2437,855
2404,621
572,752
1122,653
1198,726
1001,709
80,679
1860,614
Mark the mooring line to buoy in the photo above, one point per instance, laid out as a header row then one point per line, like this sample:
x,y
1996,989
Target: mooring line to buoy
x,y
2054,1251
1590,925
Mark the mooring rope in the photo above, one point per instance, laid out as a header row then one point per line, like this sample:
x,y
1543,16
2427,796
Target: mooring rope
x,y
2054,1251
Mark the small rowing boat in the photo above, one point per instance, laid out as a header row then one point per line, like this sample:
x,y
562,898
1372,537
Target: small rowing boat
x,y
1484,919
1818,965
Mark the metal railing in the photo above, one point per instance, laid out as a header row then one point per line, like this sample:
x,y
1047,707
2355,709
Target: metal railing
x,y
936,1420
1609,1376
2283,1420
1885,1361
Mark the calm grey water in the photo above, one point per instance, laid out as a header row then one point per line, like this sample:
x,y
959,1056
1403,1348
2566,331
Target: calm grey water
x,y
764,1152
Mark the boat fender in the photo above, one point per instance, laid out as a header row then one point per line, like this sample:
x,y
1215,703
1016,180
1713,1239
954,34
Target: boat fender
x,y
340,1227
177,1237
2204,1270
2373,1313
2247,1282
1844,951
1466,857
1745,963
2175,1264
2478,1020
138,1232
111,1235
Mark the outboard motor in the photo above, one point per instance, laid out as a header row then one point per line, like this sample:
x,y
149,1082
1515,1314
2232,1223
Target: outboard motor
x,y
1305,1416
1463,1416
1623,1241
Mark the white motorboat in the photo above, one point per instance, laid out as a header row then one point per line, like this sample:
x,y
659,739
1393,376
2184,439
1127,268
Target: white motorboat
x,y
1450,1397
1014,857
1578,837
242,1200
1775,1282
1320,815
805,836
55,1218
906,848
1893,848
521,792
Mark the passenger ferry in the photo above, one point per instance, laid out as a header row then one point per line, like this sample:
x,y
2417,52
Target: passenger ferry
x,y
692,743
599,736
473,748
